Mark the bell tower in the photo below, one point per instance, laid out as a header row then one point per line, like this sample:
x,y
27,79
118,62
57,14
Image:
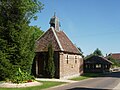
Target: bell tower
x,y
54,22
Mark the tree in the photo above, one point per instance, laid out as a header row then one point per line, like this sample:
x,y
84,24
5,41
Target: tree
x,y
16,37
50,66
88,56
97,52
37,32
114,61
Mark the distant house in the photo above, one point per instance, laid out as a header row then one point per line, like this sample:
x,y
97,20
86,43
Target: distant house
x,y
67,58
115,56
97,64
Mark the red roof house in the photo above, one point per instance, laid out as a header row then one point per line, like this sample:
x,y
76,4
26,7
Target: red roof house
x,y
115,56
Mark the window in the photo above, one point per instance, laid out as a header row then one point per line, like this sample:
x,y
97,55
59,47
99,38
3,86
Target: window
x,y
75,59
98,66
67,59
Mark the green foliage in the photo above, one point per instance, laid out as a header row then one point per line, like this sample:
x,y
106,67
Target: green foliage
x,y
16,37
88,56
15,10
21,77
114,61
50,67
6,68
37,32
98,52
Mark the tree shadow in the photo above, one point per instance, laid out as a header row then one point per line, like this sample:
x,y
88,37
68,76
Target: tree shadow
x,y
113,74
84,88
108,74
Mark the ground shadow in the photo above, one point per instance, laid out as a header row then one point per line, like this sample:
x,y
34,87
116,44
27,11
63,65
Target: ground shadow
x,y
83,88
108,74
113,74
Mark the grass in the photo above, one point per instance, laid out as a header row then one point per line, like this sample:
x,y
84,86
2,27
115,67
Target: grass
x,y
86,76
46,84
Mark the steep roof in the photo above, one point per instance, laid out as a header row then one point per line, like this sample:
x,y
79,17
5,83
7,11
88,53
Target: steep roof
x,y
97,59
115,56
59,40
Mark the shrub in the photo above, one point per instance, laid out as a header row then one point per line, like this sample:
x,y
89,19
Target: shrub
x,y
22,77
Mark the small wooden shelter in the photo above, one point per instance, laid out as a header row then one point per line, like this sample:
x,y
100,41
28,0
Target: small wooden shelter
x,y
97,64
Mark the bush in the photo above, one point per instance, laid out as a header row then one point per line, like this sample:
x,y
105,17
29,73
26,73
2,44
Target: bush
x,y
115,62
22,77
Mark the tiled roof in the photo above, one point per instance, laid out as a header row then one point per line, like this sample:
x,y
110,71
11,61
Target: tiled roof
x,y
65,42
116,56
97,59
59,40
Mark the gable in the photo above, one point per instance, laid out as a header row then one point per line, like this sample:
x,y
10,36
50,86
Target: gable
x,y
59,40
66,43
43,42
97,59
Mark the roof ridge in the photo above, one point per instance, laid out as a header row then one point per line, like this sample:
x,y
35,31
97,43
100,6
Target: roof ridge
x,y
59,44
105,59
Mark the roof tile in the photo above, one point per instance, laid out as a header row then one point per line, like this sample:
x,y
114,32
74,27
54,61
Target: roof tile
x,y
116,56
59,40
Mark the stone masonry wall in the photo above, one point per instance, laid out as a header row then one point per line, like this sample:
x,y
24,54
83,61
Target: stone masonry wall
x,y
70,65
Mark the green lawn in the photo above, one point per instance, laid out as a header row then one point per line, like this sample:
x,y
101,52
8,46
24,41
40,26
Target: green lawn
x,y
86,76
46,84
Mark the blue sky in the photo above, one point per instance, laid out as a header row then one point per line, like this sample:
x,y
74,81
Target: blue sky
x,y
90,24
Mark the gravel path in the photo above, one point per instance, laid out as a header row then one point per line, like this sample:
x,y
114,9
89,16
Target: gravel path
x,y
13,85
